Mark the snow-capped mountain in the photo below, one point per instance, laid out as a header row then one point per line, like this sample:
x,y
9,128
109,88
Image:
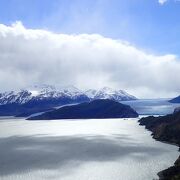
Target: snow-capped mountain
x,y
19,97
109,93
44,97
40,92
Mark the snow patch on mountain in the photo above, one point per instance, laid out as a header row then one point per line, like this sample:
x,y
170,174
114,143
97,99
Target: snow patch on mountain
x,y
91,93
34,93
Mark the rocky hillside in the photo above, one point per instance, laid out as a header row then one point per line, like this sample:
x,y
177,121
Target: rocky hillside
x,y
175,100
96,109
166,129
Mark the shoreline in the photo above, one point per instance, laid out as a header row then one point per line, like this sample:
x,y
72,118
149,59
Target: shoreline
x,y
165,142
172,172
160,174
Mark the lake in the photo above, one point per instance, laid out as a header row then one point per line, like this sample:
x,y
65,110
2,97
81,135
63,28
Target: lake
x,y
152,106
97,149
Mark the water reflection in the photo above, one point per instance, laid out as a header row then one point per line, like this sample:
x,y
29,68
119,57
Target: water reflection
x,y
22,154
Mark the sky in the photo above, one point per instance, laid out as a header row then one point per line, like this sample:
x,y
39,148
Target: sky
x,y
132,45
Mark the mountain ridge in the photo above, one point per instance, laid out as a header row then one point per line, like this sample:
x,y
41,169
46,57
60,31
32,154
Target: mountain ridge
x,y
175,100
96,109
46,97
47,91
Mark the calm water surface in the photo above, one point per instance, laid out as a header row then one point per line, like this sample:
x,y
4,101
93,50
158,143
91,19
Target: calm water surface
x,y
108,149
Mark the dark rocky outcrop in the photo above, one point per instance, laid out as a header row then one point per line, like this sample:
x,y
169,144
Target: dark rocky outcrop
x,y
166,129
102,108
175,100
172,173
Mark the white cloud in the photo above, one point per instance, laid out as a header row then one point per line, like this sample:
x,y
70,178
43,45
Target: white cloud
x,y
162,1
87,61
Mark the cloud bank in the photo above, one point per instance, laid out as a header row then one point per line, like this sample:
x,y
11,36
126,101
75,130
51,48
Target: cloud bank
x,y
162,1
87,61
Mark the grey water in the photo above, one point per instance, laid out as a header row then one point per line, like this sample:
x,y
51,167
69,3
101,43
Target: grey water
x,y
94,149
152,106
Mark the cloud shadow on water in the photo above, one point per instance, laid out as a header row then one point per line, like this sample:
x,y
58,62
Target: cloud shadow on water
x,y
19,154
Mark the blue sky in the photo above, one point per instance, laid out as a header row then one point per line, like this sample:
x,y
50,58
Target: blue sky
x,y
144,23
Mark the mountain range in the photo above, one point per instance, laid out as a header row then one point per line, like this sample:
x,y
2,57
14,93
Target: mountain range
x,y
44,97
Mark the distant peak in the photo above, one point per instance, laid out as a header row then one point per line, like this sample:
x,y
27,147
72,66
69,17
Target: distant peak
x,y
41,87
71,88
107,90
